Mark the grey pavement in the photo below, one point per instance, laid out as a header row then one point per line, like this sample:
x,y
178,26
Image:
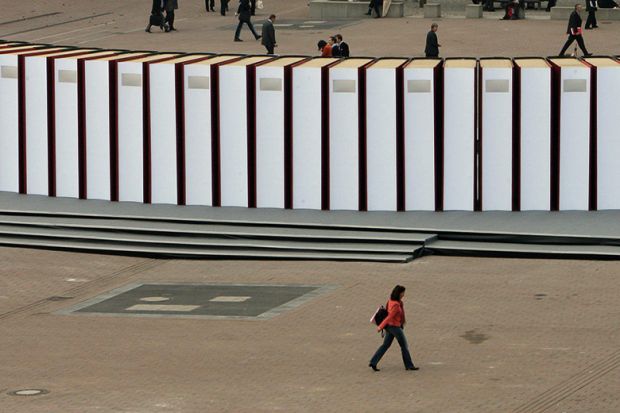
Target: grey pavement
x,y
490,335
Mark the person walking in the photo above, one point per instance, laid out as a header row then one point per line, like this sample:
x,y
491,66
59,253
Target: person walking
x,y
245,16
393,325
269,34
377,6
432,44
223,7
210,5
157,16
171,6
574,32
591,20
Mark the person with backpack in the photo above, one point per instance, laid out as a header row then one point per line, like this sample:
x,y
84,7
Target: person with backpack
x,y
393,325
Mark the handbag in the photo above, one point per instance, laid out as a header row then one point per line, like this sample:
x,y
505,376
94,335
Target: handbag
x,y
379,315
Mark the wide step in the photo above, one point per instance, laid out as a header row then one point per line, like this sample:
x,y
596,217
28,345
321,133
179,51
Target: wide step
x,y
202,242
111,247
506,248
205,229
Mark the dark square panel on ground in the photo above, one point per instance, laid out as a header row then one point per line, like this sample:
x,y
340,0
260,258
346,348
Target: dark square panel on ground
x,y
199,300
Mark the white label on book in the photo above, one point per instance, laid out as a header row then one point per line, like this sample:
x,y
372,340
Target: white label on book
x,y
198,82
67,76
497,86
575,85
8,72
419,86
131,79
344,86
273,84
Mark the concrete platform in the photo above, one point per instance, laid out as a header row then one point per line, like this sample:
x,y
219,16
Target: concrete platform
x,y
202,232
576,224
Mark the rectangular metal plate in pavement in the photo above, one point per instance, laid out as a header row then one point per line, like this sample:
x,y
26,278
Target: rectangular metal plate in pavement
x,y
224,301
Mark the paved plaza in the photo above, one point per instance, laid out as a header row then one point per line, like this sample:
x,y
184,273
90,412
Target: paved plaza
x,y
489,334
82,333
121,23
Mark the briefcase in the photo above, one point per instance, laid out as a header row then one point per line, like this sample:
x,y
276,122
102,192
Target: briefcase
x,y
156,19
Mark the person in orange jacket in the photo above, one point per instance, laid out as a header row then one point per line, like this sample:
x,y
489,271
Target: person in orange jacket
x,y
393,325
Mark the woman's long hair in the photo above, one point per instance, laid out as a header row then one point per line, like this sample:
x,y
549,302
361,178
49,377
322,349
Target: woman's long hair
x,y
396,292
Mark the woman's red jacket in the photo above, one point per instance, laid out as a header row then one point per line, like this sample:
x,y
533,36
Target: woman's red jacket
x,y
396,315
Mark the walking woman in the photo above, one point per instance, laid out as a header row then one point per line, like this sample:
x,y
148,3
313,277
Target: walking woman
x,y
393,326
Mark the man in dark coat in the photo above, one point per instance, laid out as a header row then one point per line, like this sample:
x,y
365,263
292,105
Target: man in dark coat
x,y
269,34
157,17
245,15
333,41
432,45
342,46
488,5
574,32
223,7
170,6
591,9
377,6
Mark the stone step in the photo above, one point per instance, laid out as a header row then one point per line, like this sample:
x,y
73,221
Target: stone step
x,y
214,229
168,251
449,247
191,242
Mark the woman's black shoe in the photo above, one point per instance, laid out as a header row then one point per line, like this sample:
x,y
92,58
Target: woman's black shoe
x,y
373,367
412,368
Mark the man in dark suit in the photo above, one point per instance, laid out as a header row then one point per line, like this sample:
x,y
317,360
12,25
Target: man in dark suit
x,y
377,6
170,6
432,44
269,34
342,46
223,7
591,9
333,41
574,32
245,16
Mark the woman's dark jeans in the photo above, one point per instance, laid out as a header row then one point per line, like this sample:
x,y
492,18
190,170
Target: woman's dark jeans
x,y
390,333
